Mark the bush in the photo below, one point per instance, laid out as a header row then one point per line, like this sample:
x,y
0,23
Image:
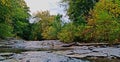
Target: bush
x,y
104,24
51,32
5,30
66,34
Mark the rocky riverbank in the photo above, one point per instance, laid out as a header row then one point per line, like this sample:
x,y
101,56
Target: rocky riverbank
x,y
53,51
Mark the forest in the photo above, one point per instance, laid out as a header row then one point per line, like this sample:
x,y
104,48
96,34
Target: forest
x,y
90,21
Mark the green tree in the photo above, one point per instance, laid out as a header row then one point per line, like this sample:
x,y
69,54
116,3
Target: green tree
x,y
67,33
14,14
5,19
54,28
20,17
71,33
5,31
41,28
104,22
36,30
78,10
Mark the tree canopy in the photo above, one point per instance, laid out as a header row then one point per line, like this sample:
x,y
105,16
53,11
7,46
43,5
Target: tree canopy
x,y
14,14
91,21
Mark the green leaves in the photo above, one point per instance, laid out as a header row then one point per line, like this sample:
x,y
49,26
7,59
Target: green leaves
x,y
93,20
66,34
79,8
53,29
13,14
104,22
5,30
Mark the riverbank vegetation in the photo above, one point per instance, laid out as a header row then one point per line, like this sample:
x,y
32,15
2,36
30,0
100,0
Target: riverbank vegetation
x,y
90,21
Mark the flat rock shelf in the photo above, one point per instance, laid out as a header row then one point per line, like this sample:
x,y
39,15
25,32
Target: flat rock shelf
x,y
53,51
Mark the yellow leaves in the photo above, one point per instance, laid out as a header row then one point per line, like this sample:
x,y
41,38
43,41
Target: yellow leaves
x,y
91,22
48,33
5,3
49,25
46,20
108,5
45,33
67,33
112,8
104,9
66,36
116,15
104,21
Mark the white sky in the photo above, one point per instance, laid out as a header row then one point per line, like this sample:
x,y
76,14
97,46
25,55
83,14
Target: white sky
x,y
50,5
42,5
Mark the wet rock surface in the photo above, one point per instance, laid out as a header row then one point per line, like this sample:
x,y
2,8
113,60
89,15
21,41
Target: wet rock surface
x,y
9,60
6,54
2,58
84,51
31,45
44,57
52,51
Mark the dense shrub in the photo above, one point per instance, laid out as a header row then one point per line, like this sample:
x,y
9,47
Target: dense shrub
x,y
5,30
104,22
52,31
67,33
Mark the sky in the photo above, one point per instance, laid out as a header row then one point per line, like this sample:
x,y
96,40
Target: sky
x,y
42,5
